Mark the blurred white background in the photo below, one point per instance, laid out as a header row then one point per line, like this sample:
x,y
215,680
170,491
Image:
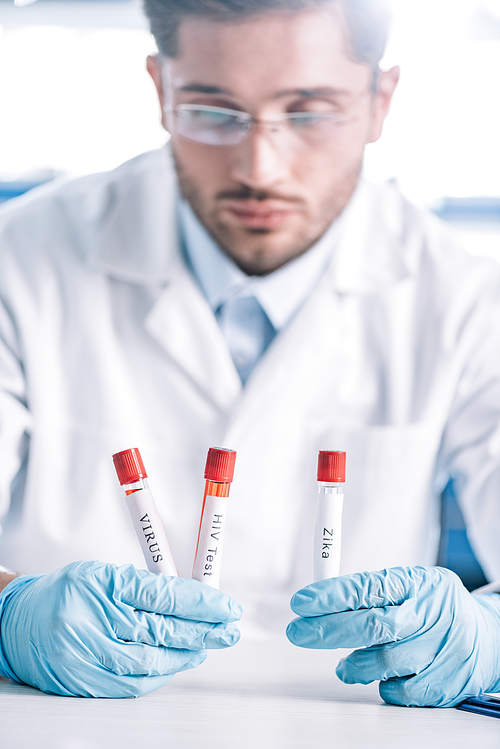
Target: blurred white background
x,y
75,97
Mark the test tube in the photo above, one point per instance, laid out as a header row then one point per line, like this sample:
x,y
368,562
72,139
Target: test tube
x,y
145,517
219,471
328,535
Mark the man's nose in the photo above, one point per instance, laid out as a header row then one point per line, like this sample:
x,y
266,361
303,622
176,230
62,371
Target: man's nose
x,y
261,161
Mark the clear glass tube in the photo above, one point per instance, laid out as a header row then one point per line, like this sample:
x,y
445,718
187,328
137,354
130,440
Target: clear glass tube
x,y
136,486
326,488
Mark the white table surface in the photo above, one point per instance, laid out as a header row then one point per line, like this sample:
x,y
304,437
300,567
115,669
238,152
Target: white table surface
x,y
261,695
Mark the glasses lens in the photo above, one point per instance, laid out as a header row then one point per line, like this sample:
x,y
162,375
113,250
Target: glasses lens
x,y
313,128
214,126
306,120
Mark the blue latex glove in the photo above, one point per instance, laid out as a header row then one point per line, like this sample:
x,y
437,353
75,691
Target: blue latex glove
x,y
425,637
96,630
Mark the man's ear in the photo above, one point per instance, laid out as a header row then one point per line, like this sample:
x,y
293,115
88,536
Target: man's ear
x,y
387,82
153,65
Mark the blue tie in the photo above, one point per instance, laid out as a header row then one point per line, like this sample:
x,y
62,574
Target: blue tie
x,y
247,330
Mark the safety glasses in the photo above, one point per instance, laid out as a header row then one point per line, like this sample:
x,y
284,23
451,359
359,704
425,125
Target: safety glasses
x,y
217,126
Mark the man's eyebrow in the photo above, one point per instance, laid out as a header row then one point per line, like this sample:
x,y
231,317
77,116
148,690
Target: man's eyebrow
x,y
201,88
305,93
310,93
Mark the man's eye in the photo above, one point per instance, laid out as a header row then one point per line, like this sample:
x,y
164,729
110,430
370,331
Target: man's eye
x,y
308,119
210,118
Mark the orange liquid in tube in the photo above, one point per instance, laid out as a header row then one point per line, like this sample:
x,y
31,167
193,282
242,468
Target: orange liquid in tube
x,y
219,471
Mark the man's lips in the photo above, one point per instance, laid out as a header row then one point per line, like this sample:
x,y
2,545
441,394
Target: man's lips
x,y
268,214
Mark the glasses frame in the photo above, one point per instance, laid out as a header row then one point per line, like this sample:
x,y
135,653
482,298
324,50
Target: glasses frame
x,y
246,119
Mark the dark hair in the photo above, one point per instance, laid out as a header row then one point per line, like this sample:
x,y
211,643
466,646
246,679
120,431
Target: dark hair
x,y
367,21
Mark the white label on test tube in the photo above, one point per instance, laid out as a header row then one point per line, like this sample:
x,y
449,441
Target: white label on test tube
x,y
150,532
328,535
207,563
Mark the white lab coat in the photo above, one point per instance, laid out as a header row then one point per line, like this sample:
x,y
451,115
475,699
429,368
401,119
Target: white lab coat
x,y
108,343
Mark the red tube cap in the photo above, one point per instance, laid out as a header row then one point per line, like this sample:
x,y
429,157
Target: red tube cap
x,y
220,465
129,466
331,467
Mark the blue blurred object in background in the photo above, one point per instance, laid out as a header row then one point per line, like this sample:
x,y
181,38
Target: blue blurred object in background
x,y
469,209
14,188
455,552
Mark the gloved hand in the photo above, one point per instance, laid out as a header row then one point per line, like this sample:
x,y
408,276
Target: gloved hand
x,y
425,637
96,630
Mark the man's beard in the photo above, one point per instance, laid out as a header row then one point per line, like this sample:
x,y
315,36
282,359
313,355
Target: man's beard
x,y
262,261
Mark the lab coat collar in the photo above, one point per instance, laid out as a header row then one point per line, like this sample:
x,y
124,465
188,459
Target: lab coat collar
x,y
374,249
134,236
127,227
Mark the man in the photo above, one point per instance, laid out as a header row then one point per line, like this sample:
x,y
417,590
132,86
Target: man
x,y
258,294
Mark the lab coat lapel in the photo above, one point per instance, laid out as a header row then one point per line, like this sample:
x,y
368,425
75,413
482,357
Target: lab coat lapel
x,y
135,239
374,249
291,366
184,324
133,234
